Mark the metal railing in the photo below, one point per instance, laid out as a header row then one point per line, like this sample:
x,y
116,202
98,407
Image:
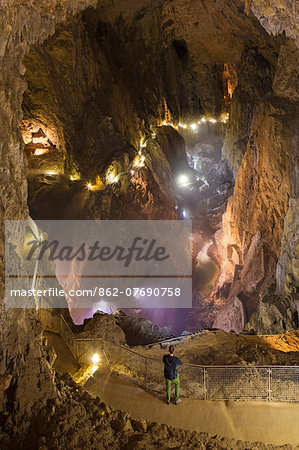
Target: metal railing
x,y
247,383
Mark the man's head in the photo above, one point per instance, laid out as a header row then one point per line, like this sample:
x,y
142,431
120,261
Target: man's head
x,y
171,350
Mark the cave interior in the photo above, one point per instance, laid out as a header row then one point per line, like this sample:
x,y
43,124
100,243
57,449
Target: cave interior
x,y
157,110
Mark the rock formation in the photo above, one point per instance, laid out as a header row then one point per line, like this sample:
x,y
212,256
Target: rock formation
x,y
101,80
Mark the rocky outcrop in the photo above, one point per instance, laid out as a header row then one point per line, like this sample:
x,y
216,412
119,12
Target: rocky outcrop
x,y
27,362
98,108
103,326
232,317
275,314
5,382
262,188
286,84
272,216
173,146
253,224
287,272
139,331
23,355
276,17
80,82
78,420
255,76
286,79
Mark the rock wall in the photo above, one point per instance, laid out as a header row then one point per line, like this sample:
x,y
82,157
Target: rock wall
x,y
277,16
23,355
260,225
163,43
255,76
286,84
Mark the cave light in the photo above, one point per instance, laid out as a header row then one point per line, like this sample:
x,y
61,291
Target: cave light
x,y
139,161
111,178
74,177
40,151
194,126
95,359
224,118
185,214
51,172
89,186
39,140
167,124
142,143
92,370
183,180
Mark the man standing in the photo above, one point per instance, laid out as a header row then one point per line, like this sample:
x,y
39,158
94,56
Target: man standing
x,y
171,364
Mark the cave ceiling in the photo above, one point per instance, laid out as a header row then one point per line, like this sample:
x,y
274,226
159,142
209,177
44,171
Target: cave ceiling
x,y
102,79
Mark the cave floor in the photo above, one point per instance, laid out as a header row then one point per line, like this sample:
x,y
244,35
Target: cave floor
x,y
271,423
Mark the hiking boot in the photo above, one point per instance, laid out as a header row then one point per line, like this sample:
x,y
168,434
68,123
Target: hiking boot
x,y
177,402
167,402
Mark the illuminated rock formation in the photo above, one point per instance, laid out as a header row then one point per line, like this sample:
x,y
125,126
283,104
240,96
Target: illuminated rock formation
x,y
98,79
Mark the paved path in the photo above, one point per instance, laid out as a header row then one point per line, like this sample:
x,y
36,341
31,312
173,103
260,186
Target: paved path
x,y
272,423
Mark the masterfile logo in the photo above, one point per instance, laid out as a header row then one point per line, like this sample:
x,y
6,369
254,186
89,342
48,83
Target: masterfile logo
x,y
140,250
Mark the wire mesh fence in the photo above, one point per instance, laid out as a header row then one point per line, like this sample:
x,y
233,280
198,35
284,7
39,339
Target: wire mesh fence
x,y
236,383
284,384
192,380
246,383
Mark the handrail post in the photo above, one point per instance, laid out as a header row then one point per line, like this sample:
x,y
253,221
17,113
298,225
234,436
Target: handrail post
x,y
204,383
269,383
146,374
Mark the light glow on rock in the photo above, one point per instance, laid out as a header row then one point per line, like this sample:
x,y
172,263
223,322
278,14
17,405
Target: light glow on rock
x,y
95,359
40,151
183,180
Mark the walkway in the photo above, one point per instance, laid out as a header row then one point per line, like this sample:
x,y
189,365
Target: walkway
x,y
271,423
274,423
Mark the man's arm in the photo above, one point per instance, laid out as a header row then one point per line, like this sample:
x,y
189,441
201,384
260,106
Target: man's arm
x,y
164,358
179,362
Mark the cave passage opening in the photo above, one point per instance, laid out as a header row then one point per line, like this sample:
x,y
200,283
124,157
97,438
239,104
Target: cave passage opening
x,y
104,141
